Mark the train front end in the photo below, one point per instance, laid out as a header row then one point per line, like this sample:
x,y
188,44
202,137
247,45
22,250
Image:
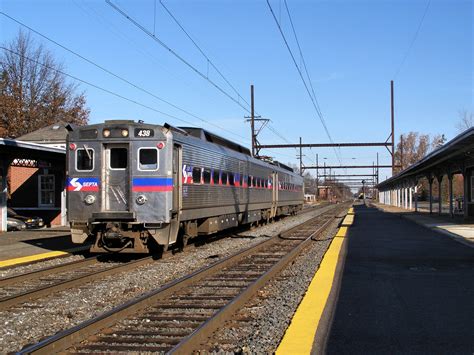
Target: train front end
x,y
120,186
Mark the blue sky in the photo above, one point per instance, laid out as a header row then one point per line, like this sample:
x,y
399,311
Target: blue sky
x,y
352,50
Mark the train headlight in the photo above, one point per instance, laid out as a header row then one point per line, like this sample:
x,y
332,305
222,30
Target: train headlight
x,y
106,133
141,199
124,132
89,199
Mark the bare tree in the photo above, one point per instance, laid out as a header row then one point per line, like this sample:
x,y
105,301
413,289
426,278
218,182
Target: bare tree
x,y
411,148
466,120
437,141
33,91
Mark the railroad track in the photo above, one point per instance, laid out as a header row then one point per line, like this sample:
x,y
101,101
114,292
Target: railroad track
x,y
33,285
179,316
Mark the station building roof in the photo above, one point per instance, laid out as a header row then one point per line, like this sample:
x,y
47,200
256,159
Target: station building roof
x,y
452,157
11,149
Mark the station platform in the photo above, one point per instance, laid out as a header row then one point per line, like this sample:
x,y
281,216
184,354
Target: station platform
x,y
35,244
398,287
456,227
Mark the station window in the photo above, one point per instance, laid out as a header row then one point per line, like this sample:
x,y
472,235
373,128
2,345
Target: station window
x,y
118,158
215,176
84,159
46,190
147,159
206,175
196,175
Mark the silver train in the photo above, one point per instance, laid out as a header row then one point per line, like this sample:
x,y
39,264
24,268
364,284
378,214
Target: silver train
x,y
138,188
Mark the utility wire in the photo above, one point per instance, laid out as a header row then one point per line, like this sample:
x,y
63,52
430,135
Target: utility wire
x,y
209,61
119,77
95,86
302,56
173,52
413,40
316,107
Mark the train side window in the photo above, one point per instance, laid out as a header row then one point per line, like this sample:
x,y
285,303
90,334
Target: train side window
x,y
148,159
196,175
84,159
224,178
206,175
118,158
231,179
215,176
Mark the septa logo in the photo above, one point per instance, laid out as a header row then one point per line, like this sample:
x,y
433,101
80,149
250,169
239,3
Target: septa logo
x,y
83,184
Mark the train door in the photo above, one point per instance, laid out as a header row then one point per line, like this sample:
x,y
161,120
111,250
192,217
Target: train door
x,y
177,179
115,177
274,194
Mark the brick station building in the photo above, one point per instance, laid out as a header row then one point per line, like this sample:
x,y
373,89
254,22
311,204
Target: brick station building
x,y
34,166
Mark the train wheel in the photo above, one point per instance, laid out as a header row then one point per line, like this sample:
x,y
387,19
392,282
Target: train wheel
x,y
183,241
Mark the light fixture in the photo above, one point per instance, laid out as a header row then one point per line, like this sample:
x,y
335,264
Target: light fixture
x,y
141,199
89,199
124,132
106,133
160,145
72,146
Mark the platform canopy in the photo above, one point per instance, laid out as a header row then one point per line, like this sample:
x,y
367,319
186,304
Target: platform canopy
x,y
455,156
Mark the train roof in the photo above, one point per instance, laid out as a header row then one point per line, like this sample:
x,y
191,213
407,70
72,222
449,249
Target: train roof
x,y
214,138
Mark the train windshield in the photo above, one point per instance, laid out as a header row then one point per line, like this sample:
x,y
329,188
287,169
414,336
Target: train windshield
x,y
84,159
147,159
118,158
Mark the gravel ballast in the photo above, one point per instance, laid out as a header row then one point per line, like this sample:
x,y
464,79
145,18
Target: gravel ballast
x,y
33,321
260,326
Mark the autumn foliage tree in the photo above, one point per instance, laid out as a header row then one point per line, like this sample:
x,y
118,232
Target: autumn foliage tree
x,y
34,92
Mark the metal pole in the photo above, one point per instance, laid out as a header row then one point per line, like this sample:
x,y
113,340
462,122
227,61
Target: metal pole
x,y
317,176
252,120
393,127
301,159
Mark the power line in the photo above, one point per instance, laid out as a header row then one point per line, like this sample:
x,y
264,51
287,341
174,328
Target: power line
x,y
316,107
201,51
413,40
301,54
96,86
173,52
119,77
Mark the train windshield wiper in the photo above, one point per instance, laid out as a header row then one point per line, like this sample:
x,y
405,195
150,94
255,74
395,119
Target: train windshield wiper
x,y
86,148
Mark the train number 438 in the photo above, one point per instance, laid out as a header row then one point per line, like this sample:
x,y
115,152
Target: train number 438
x,y
144,133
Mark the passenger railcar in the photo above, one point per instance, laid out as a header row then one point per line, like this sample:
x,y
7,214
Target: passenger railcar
x,y
135,187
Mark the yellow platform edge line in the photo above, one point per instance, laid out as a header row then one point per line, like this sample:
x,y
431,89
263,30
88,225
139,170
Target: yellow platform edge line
x,y
299,336
30,258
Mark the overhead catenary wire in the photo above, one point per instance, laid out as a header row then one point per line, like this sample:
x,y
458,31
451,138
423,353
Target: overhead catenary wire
x,y
415,36
209,61
313,101
96,86
128,82
173,52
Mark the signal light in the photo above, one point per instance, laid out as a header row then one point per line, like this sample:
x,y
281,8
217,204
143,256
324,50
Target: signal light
x,y
106,133
160,145
124,132
72,146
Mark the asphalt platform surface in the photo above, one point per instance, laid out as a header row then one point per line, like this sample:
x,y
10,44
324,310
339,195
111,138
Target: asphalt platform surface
x,y
404,289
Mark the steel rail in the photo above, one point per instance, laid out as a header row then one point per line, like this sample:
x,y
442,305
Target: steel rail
x,y
198,337
47,290
42,272
65,339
